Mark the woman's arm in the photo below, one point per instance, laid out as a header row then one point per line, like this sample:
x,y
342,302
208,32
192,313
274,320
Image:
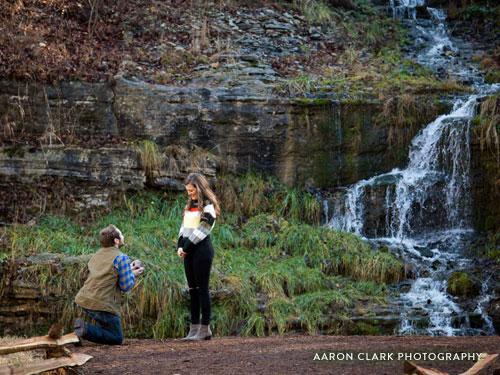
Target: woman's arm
x,y
179,238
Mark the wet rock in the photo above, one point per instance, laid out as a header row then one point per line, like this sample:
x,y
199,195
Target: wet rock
x,y
404,287
425,273
436,265
476,320
458,321
424,251
494,312
369,318
410,271
442,73
422,12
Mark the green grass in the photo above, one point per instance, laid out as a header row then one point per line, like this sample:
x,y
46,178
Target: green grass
x,y
315,11
272,273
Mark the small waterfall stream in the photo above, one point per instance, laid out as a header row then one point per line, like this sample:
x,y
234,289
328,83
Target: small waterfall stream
x,y
427,205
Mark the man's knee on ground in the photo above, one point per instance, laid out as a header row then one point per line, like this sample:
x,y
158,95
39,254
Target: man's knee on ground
x,y
117,340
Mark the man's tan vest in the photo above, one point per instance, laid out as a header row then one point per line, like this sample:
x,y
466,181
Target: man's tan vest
x,y
101,291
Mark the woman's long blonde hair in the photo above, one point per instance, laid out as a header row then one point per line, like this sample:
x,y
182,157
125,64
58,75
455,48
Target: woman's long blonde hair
x,y
203,190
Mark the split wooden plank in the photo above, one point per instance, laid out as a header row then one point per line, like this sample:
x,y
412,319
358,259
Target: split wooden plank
x,y
480,366
411,368
36,367
40,342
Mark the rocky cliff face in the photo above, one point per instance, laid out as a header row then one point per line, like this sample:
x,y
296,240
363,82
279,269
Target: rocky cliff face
x,y
85,136
36,291
486,189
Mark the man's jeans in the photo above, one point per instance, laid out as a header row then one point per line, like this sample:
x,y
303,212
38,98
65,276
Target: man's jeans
x,y
108,328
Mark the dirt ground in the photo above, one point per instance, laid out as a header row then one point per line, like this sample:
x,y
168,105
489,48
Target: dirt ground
x,y
281,355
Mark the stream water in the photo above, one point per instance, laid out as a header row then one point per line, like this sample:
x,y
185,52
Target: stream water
x,y
427,206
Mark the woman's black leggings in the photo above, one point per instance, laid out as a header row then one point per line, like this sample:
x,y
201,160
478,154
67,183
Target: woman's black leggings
x,y
197,265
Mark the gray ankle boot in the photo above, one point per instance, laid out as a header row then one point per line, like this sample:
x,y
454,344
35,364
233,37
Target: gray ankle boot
x,y
204,333
193,330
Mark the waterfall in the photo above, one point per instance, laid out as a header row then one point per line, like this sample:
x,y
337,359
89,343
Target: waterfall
x,y
441,152
427,204
405,8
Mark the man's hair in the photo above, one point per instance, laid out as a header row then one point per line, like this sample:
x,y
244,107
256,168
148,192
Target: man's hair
x,y
107,236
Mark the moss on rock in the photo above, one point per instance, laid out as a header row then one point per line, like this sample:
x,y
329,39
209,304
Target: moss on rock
x,y
461,284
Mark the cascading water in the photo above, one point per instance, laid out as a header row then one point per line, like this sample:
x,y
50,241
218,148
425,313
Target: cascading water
x,y
427,205
405,8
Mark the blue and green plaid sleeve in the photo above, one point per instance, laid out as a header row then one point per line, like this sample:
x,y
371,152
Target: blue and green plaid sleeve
x,y
126,279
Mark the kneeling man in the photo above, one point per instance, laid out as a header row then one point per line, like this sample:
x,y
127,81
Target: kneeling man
x,y
110,274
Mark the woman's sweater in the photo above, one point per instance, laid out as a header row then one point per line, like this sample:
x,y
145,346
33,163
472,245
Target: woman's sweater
x,y
196,225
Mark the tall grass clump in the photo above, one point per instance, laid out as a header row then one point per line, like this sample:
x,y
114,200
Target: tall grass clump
x,y
315,11
298,86
487,123
150,157
291,203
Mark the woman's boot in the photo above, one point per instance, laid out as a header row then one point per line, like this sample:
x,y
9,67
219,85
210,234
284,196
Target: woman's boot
x,y
193,330
204,333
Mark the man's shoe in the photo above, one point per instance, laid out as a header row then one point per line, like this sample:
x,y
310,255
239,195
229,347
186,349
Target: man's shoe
x,y
193,330
204,333
79,327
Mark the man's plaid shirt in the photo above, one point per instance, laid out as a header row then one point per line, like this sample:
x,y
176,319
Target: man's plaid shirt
x,y
126,278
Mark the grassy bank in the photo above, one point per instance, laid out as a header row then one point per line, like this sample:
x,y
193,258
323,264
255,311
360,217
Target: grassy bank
x,y
275,270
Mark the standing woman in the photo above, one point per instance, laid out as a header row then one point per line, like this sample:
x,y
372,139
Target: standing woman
x,y
195,247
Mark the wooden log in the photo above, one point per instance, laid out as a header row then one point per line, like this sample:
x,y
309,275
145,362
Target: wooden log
x,y
411,368
480,367
40,342
36,367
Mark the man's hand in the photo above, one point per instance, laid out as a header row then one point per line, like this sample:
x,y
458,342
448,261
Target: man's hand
x,y
181,252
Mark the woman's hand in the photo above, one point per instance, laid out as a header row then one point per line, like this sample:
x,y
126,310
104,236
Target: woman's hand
x,y
137,267
138,271
181,252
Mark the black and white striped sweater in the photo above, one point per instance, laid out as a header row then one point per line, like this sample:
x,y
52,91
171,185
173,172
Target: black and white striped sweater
x,y
196,225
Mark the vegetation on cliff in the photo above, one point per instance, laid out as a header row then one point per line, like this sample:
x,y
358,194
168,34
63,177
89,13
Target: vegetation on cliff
x,y
486,148
273,270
